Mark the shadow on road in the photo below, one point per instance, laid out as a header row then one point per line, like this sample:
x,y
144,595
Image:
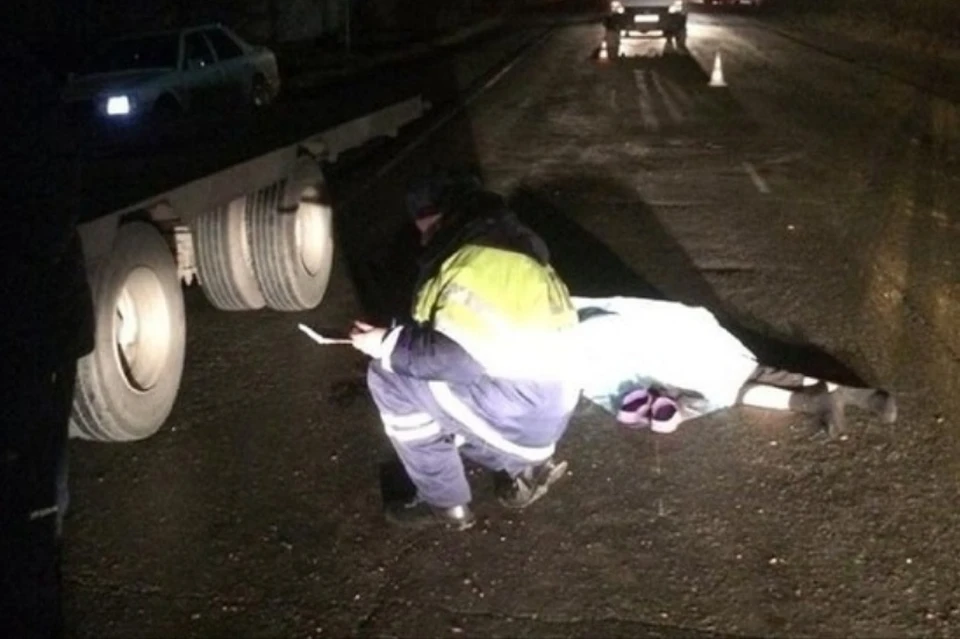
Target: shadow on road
x,y
665,270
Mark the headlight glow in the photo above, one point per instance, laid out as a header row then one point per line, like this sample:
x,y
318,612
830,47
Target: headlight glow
x,y
616,6
676,7
118,105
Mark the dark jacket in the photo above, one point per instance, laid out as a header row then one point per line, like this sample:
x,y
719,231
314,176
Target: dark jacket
x,y
479,219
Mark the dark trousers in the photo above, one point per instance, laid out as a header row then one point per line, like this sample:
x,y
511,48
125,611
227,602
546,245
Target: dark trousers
x,y
32,485
424,419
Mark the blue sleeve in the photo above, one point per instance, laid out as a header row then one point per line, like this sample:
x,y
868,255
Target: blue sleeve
x,y
425,353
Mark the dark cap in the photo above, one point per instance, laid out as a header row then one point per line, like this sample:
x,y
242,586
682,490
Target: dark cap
x,y
434,194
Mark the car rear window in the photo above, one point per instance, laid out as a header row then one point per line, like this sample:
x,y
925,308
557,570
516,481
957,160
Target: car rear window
x,y
148,52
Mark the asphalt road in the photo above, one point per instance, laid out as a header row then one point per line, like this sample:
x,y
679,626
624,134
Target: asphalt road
x,y
812,198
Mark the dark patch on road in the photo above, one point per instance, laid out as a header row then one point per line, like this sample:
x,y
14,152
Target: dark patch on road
x,y
343,393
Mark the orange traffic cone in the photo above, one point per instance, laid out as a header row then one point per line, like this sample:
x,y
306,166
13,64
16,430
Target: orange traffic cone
x,y
603,50
716,78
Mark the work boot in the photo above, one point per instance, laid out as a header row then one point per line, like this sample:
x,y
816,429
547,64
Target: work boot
x,y
530,485
877,401
417,513
831,406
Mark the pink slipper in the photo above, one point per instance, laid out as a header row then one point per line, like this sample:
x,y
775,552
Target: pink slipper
x,y
635,409
664,415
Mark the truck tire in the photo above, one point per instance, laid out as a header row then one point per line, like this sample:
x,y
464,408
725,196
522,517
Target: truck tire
x,y
127,386
290,230
224,263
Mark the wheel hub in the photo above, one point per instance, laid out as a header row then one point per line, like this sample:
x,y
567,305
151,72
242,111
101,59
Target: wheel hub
x,y
142,331
312,235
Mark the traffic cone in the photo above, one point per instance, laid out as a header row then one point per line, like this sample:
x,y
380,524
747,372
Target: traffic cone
x,y
603,50
716,78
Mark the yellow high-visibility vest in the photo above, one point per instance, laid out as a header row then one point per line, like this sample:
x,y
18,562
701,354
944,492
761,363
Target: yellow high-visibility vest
x,y
507,310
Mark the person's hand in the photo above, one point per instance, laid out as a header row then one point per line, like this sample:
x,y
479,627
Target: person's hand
x,y
367,338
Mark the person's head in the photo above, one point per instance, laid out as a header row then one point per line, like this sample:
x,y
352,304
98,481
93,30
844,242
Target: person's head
x,y
432,199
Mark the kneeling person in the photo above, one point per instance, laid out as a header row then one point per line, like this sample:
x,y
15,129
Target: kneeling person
x,y
478,371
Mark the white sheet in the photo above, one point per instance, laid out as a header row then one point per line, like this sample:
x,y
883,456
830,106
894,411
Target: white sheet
x,y
642,342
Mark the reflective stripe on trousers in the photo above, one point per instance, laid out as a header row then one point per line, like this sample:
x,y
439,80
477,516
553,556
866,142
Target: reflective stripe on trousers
x,y
410,427
456,409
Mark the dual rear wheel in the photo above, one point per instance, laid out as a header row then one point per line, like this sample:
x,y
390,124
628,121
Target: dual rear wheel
x,y
272,248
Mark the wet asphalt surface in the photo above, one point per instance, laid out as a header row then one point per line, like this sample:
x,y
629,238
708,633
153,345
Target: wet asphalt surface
x,y
812,200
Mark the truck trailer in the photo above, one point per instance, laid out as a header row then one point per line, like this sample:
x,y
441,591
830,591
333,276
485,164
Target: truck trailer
x,y
257,234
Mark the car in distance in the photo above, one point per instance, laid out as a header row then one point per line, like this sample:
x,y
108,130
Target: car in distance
x,y
753,4
167,73
668,17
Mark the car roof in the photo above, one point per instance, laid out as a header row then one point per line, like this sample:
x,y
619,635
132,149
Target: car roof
x,y
163,32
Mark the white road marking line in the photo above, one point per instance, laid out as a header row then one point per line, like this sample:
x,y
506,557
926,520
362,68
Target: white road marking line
x,y
677,203
757,180
672,109
645,103
492,81
678,93
789,157
613,99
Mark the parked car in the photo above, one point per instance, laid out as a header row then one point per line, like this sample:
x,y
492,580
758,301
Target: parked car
x,y
630,17
167,73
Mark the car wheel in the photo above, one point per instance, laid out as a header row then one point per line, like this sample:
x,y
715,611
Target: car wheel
x,y
167,109
260,95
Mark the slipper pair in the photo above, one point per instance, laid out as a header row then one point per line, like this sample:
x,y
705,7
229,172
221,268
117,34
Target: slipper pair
x,y
643,408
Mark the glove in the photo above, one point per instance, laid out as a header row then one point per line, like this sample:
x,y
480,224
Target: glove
x,y
368,339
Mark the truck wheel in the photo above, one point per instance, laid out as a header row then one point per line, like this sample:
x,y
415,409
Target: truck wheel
x,y
290,229
127,386
224,263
